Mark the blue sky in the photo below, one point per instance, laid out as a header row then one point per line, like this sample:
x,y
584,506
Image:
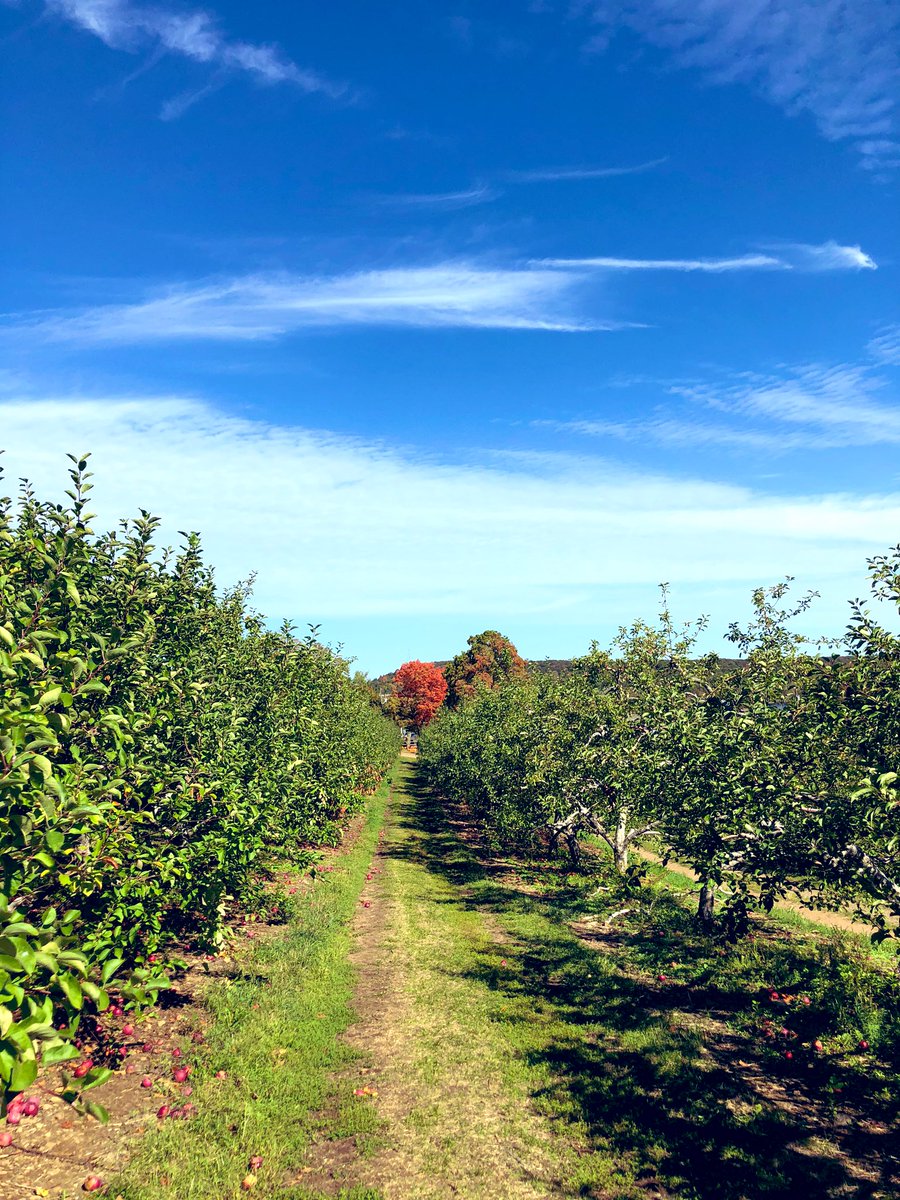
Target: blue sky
x,y
451,316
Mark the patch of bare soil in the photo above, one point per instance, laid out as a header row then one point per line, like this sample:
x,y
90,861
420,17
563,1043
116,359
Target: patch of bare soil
x,y
55,1152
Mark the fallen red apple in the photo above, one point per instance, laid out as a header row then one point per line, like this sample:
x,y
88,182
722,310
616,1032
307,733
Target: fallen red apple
x,y
82,1069
248,1183
31,1107
93,1183
127,1030
163,1111
5,1139
146,1082
180,1074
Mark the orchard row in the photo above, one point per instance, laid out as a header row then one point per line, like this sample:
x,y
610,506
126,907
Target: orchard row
x,y
770,775
158,746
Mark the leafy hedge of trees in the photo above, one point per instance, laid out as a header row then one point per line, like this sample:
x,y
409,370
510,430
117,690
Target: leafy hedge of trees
x,y
158,744
773,776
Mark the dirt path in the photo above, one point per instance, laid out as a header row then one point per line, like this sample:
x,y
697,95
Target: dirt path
x,y
448,1125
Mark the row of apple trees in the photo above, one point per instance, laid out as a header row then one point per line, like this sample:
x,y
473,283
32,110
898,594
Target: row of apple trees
x,y
158,745
769,774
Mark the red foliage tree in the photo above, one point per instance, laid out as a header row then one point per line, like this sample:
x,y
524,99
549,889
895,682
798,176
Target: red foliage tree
x,y
419,691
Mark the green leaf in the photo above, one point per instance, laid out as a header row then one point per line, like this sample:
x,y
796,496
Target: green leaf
x,y
109,968
24,1074
95,1078
98,995
63,1052
95,1110
20,927
48,808
43,765
72,989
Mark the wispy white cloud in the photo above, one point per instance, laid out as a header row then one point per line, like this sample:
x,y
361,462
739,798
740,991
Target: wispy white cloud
x,y
257,307
317,516
481,194
715,266
829,256
554,174
189,33
790,256
813,407
885,346
836,60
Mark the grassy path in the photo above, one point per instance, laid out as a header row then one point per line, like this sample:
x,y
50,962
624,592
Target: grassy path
x,y
441,1022
516,1048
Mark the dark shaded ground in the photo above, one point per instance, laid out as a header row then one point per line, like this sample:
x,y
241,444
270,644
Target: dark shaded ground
x,y
654,1071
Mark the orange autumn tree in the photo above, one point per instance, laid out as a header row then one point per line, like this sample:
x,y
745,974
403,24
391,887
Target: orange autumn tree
x,y
490,660
419,690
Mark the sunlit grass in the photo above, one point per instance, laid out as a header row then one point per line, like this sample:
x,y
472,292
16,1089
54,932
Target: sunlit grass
x,y
275,1032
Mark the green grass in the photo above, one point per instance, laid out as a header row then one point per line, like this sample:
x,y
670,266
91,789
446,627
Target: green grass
x,y
616,1063
517,1061
275,1031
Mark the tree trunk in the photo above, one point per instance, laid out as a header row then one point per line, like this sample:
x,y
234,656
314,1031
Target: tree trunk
x,y
706,904
574,848
620,845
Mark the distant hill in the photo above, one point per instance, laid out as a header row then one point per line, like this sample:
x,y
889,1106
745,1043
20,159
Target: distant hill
x,y
562,666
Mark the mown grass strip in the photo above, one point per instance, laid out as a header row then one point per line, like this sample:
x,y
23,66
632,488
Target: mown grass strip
x,y
611,1043
274,1031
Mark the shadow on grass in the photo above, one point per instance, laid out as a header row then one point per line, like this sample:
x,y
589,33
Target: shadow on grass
x,y
677,1118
